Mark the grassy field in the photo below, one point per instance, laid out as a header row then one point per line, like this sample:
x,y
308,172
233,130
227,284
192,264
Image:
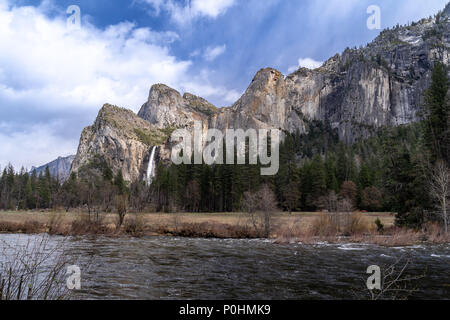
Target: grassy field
x,y
300,220
305,227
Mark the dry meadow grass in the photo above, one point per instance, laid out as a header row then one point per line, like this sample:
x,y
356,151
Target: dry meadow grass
x,y
305,227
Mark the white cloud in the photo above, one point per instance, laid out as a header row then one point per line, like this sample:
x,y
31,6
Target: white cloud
x,y
35,146
211,53
53,81
306,63
193,9
211,8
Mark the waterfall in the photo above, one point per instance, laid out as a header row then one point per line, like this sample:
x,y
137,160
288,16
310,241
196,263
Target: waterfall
x,y
151,167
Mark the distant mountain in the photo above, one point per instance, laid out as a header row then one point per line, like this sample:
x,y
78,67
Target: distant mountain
x,y
356,92
58,168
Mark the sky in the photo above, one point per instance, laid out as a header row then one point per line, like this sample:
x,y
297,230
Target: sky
x,y
55,77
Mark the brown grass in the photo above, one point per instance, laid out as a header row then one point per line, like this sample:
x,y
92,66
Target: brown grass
x,y
134,225
359,229
302,227
210,230
334,224
28,227
357,224
85,226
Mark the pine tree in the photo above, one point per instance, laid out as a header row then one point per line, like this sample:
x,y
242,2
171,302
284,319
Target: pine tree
x,y
332,181
436,114
120,183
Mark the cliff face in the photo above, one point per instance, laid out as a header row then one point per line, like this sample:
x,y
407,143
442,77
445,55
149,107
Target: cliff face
x,y
166,108
59,168
121,139
379,85
356,92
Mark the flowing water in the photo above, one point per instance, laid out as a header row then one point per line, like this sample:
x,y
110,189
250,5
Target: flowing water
x,y
184,268
151,167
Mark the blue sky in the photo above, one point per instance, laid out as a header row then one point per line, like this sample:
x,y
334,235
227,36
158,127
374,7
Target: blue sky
x,y
54,80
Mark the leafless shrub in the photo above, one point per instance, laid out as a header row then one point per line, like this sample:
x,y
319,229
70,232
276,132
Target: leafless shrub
x,y
396,283
349,191
328,202
290,231
176,221
121,202
27,227
439,189
261,207
335,223
356,224
345,205
325,225
85,226
213,230
55,224
33,271
134,225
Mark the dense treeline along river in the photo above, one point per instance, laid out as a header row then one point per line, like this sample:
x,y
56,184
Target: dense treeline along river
x,y
183,268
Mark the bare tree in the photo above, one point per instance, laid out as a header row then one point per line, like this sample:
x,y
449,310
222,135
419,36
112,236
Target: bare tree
x,y
439,186
291,196
122,208
349,190
261,206
371,198
345,205
328,202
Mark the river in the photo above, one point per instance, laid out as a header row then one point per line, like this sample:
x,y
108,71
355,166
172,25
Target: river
x,y
184,268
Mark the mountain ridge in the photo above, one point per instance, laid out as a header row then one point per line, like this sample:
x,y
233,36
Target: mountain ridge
x,y
357,92
59,167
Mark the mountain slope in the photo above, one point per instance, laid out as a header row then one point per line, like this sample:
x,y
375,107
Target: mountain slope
x,y
356,92
120,139
58,168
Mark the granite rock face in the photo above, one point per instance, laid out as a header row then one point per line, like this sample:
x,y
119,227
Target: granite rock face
x,y
357,92
59,168
121,139
166,108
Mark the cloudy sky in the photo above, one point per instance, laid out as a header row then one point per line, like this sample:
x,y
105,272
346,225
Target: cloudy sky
x,y
54,78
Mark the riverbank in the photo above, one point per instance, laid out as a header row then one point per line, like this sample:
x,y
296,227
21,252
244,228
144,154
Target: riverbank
x,y
304,227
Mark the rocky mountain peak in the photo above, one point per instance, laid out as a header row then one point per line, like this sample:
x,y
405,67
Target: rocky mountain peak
x,y
199,104
267,84
263,103
59,168
167,108
356,92
446,11
120,139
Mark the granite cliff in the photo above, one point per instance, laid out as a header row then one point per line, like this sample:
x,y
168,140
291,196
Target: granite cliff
x,y
59,168
357,92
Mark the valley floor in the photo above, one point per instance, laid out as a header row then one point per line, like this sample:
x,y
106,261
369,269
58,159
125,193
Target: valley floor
x,y
305,227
